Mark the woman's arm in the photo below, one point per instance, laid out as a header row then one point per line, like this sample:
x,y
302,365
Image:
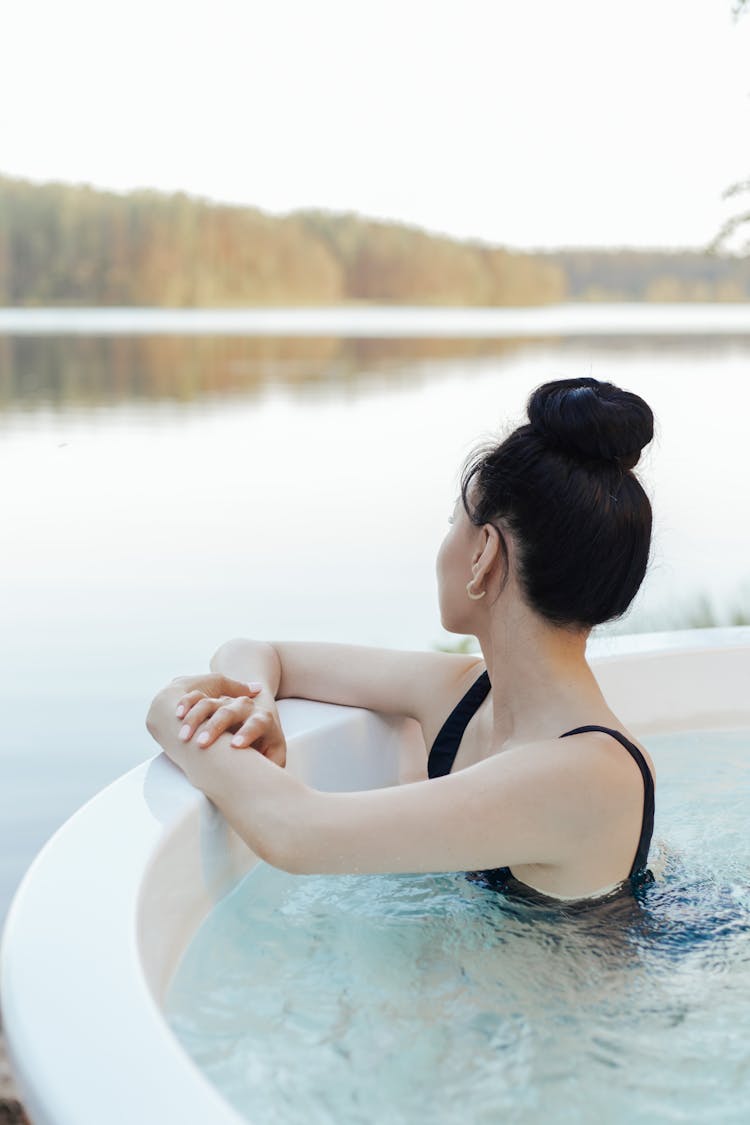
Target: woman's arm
x,y
518,807
521,806
263,814
423,685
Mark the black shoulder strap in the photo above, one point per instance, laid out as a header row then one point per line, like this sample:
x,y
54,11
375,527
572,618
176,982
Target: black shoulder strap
x,y
647,826
444,748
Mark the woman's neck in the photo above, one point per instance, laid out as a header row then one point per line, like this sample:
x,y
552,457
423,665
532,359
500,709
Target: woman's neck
x,y
541,682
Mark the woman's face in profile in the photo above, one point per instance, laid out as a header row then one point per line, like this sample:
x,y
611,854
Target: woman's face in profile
x,y
453,568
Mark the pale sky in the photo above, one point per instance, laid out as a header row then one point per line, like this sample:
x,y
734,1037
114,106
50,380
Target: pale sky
x,y
533,124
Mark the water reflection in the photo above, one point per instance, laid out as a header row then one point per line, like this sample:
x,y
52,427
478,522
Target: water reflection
x,y
92,371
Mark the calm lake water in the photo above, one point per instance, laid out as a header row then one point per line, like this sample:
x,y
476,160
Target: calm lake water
x,y
165,492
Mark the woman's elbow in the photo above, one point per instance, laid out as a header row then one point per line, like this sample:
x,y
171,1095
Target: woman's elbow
x,y
300,860
283,854
227,654
221,652
296,850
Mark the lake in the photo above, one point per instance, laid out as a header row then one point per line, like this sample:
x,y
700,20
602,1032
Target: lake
x,y
175,478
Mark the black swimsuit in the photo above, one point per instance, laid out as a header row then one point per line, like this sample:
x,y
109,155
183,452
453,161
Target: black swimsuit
x,y
443,754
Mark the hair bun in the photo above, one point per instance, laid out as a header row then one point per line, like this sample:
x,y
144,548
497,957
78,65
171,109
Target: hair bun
x,y
593,420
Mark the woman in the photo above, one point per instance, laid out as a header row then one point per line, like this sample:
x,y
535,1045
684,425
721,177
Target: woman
x,y
533,784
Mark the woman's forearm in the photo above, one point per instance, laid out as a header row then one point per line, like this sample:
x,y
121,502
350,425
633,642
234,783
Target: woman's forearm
x,y
266,806
249,660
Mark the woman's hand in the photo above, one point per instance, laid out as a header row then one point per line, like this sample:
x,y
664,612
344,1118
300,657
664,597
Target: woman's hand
x,y
220,705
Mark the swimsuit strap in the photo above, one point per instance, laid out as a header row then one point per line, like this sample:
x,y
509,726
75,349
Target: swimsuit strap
x,y
444,748
647,826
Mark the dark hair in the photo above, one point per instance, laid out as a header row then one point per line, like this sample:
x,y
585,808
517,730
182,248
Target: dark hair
x,y
564,487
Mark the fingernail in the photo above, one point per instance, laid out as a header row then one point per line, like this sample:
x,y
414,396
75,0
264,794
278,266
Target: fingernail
x,y
185,731
237,740
255,686
180,711
203,738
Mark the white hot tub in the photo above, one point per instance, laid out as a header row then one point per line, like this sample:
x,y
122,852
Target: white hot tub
x,y
106,909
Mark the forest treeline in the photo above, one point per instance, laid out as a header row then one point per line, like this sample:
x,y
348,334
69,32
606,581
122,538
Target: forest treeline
x,y
65,244
653,275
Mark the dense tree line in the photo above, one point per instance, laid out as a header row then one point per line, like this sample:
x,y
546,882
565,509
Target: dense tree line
x,y
63,244
653,275
384,262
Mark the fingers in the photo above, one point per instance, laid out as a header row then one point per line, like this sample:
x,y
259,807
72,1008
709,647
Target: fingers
x,y
237,687
196,714
277,753
188,700
262,732
225,686
218,715
223,719
253,728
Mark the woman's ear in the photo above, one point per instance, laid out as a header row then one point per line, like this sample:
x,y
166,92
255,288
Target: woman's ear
x,y
486,552
493,556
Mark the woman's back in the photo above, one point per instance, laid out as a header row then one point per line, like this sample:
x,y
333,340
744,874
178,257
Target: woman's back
x,y
451,743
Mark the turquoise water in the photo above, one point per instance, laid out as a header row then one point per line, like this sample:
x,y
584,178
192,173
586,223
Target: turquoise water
x,y
410,998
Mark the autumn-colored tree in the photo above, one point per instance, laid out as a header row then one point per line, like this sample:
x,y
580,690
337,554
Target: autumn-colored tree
x,y
64,244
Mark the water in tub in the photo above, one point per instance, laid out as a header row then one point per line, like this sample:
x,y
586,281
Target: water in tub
x,y
411,998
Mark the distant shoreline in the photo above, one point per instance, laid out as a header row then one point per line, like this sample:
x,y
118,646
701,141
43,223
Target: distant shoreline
x,y
69,244
347,320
